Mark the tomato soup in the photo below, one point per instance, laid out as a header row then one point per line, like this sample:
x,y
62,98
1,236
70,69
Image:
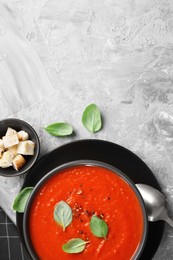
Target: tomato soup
x,y
88,190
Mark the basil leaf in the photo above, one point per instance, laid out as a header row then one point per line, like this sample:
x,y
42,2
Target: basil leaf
x,y
21,199
91,118
98,227
63,214
74,245
59,129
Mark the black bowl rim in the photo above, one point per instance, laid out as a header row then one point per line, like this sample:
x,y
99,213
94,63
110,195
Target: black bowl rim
x,y
87,162
36,153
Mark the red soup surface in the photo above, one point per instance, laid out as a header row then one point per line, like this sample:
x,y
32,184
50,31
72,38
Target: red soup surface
x,y
89,190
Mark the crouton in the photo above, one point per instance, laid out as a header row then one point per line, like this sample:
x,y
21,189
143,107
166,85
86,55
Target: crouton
x,y
2,145
10,131
26,147
18,162
10,140
1,152
22,135
13,149
6,159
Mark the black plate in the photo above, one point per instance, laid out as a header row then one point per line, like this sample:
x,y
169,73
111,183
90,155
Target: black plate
x,y
107,152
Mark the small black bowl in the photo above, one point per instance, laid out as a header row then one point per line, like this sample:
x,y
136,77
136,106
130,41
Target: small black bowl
x,y
19,125
57,170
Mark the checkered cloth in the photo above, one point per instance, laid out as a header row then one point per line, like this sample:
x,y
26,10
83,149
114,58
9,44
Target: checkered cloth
x,y
10,245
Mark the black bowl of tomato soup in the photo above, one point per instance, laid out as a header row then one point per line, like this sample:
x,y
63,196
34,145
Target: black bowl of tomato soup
x,y
90,188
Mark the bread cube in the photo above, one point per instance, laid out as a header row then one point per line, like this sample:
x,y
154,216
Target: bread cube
x,y
10,131
22,135
26,147
18,162
6,159
1,152
2,145
10,140
13,149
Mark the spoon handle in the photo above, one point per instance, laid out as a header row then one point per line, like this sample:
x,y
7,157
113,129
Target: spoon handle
x,y
169,221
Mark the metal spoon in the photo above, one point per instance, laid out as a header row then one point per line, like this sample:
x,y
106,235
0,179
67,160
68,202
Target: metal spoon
x,y
155,203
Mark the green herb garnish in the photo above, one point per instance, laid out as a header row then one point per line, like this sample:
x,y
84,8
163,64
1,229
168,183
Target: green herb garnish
x,y
74,245
21,199
98,227
91,118
59,129
63,214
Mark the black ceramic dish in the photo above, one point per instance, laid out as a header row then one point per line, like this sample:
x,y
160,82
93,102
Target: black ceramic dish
x,y
73,164
107,152
19,125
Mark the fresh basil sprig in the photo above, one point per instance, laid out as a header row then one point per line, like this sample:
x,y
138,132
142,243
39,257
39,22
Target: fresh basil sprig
x,y
63,214
21,199
91,118
98,227
59,129
74,245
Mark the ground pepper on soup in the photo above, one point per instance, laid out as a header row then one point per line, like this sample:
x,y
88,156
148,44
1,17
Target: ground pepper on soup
x,y
88,190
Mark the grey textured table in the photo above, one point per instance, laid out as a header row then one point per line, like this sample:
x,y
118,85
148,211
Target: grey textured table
x,y
56,57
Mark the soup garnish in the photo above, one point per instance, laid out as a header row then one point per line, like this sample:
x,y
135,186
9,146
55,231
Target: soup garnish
x,y
63,214
74,245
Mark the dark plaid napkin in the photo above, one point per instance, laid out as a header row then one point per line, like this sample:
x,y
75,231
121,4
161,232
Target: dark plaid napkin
x,y
10,245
